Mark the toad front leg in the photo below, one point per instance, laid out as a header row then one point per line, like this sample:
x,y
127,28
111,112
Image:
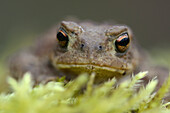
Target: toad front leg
x,y
40,68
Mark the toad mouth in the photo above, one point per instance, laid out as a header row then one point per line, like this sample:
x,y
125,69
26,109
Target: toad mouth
x,y
91,67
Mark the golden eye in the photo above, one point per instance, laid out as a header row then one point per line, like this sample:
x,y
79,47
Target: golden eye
x,y
122,43
62,37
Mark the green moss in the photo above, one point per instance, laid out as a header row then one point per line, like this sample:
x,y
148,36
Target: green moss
x,y
55,97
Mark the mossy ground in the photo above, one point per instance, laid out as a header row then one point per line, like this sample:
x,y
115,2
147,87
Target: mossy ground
x,y
70,98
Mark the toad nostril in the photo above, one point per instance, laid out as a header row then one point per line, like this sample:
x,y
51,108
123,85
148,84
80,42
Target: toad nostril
x,y
100,47
82,46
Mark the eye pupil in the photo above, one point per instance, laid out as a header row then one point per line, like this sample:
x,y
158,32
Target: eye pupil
x,y
62,38
122,43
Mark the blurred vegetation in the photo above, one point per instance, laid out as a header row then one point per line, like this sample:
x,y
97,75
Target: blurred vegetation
x,y
3,73
56,97
160,56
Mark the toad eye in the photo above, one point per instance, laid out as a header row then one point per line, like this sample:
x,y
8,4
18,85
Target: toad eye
x,y
122,43
62,37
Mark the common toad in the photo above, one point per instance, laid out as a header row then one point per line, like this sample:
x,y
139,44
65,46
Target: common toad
x,y
72,48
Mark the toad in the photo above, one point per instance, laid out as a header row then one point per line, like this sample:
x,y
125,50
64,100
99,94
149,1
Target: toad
x,y
72,48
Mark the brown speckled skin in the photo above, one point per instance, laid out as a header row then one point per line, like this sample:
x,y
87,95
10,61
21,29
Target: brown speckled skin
x,y
46,60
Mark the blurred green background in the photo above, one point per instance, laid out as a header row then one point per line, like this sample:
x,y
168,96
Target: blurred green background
x,y
22,21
